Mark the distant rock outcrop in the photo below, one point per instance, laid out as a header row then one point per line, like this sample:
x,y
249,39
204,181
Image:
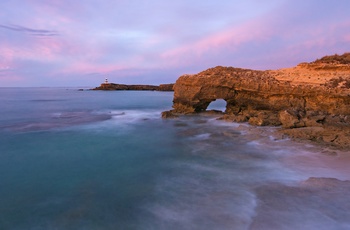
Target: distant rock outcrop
x,y
113,86
166,87
315,95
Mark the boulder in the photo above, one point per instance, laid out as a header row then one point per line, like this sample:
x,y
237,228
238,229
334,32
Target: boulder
x,y
264,118
169,114
290,119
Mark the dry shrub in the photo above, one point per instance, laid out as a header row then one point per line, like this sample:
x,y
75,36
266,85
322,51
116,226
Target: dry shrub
x,y
335,59
338,82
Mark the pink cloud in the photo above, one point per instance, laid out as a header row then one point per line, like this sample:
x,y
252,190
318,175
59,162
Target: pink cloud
x,y
262,32
7,56
49,48
347,38
45,49
228,41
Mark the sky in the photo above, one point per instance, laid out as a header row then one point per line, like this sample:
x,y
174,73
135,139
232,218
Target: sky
x,y
80,43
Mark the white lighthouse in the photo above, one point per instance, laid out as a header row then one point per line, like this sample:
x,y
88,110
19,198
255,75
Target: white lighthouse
x,y
106,81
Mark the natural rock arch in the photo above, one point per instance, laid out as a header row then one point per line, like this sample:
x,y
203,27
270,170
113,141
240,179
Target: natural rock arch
x,y
320,106
258,96
218,104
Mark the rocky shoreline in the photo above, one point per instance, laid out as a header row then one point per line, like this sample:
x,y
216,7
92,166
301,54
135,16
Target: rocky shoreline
x,y
310,101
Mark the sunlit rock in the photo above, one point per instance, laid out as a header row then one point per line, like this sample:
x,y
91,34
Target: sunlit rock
x,y
313,94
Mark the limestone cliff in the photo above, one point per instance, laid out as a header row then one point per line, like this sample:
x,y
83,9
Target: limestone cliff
x,y
309,95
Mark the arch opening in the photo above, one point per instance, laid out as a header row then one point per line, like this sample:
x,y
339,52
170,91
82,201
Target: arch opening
x,y
218,104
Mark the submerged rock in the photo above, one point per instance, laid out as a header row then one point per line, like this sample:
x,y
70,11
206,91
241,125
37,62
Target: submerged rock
x,y
169,114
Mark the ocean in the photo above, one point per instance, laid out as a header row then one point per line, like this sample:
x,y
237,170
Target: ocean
x,y
72,159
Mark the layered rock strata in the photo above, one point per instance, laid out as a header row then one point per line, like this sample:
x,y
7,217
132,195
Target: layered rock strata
x,y
311,100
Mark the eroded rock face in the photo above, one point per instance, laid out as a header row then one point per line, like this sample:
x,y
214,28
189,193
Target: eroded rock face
x,y
304,96
249,91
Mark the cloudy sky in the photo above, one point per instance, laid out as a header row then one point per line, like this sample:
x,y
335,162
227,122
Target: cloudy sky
x,y
79,43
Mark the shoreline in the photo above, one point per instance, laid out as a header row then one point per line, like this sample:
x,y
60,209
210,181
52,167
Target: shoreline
x,y
274,134
315,163
312,182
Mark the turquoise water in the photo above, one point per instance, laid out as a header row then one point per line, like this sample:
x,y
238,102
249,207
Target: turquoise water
x,y
74,159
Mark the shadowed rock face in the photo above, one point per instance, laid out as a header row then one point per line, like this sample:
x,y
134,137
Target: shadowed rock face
x,y
304,96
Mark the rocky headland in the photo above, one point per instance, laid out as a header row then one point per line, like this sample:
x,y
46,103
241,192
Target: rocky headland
x,y
113,86
310,101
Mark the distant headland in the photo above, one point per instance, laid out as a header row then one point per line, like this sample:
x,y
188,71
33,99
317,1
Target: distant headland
x,y
113,86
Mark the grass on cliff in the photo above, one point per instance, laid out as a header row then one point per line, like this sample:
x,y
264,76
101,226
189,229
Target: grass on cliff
x,y
338,83
334,59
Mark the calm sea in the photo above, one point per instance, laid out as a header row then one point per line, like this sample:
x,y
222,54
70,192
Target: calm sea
x,y
74,159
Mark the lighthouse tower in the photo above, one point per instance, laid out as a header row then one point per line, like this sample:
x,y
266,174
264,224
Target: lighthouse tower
x,y
105,85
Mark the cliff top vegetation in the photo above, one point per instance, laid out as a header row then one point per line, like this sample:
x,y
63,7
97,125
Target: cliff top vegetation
x,y
334,59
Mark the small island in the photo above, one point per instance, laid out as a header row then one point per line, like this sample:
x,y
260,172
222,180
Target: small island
x,y
112,86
